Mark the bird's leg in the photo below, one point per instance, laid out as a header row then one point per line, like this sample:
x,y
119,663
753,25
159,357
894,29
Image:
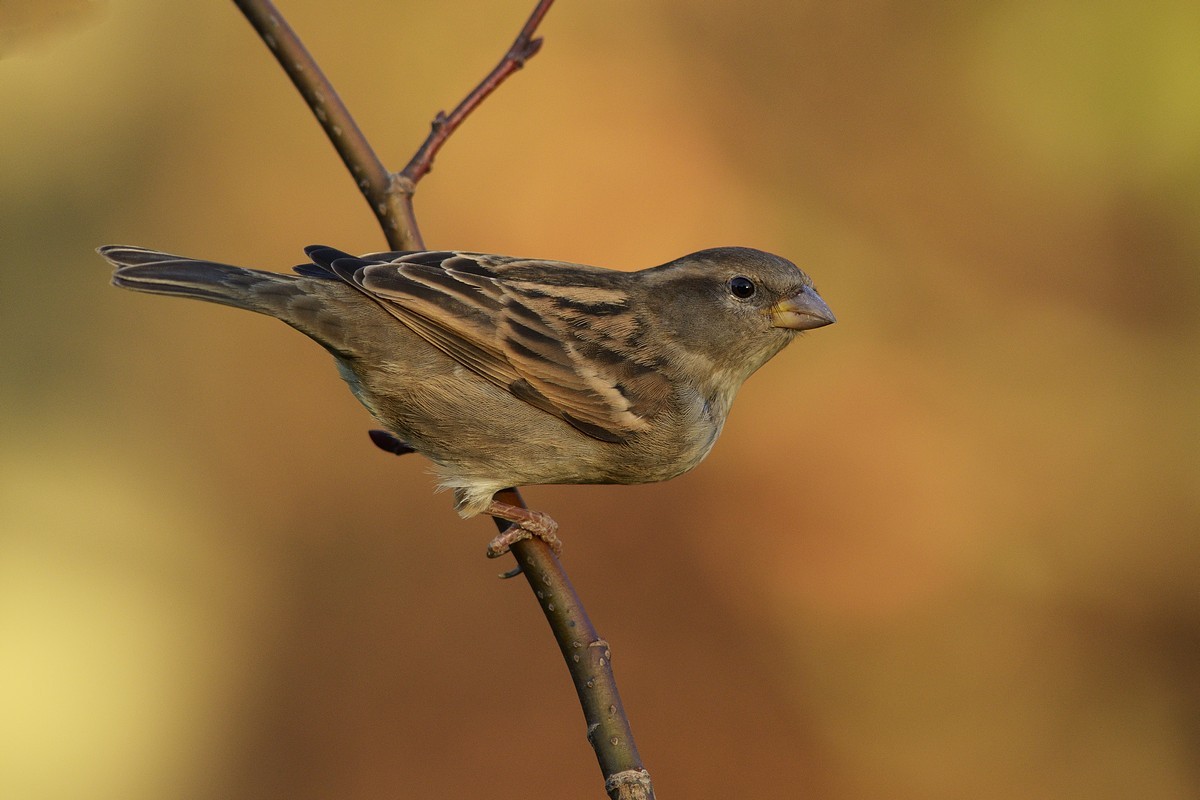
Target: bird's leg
x,y
527,524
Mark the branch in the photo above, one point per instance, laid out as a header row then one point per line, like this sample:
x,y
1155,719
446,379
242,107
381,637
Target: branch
x,y
524,47
388,193
390,199
589,660
586,654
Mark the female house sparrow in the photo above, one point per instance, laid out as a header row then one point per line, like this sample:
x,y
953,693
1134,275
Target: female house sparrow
x,y
509,371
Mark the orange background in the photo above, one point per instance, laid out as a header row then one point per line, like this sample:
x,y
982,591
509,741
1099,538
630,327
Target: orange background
x,y
946,548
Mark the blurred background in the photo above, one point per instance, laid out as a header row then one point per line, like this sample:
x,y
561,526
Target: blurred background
x,y
945,548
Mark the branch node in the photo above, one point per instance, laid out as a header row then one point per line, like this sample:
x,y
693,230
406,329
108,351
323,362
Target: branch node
x,y
402,184
632,783
528,50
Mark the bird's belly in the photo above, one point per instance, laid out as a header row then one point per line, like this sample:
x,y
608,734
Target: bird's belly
x,y
477,433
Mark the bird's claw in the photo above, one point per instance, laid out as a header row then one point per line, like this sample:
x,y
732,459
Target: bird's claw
x,y
526,525
519,532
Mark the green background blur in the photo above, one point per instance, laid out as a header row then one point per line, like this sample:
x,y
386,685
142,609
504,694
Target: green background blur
x,y
946,548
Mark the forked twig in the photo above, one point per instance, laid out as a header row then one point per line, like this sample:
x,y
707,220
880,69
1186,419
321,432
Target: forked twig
x,y
390,195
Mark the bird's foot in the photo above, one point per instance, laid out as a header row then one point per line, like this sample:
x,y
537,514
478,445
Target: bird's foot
x,y
526,525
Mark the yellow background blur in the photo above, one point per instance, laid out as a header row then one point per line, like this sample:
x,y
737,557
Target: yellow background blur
x,y
946,548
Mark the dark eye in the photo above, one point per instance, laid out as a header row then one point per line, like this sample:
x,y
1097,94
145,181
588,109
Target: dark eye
x,y
742,287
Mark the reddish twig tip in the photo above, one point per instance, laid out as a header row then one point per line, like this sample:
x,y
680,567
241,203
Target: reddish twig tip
x,y
523,48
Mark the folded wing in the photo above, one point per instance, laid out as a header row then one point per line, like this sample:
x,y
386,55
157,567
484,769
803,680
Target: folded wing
x,y
561,337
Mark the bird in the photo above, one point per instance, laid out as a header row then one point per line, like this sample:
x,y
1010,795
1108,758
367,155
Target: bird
x,y
506,371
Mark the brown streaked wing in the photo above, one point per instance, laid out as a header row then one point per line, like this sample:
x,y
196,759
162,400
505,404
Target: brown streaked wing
x,y
536,340
546,350
451,314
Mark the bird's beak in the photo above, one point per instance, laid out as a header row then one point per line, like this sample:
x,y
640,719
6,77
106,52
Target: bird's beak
x,y
802,312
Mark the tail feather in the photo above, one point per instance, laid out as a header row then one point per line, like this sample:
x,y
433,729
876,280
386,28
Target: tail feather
x,y
155,272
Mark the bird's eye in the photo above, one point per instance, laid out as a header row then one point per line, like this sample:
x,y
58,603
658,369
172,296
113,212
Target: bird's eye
x,y
742,287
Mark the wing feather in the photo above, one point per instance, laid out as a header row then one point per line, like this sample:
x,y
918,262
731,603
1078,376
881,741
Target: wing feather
x,y
560,337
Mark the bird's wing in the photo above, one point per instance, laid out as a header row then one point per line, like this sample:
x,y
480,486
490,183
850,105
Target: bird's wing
x,y
551,334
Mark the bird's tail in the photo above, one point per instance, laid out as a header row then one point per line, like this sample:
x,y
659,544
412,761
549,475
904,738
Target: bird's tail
x,y
155,272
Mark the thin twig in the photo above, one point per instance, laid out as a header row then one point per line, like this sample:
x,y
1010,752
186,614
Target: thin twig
x,y
589,660
524,47
586,654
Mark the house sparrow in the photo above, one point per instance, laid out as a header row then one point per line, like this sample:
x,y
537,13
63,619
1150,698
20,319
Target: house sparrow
x,y
510,371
